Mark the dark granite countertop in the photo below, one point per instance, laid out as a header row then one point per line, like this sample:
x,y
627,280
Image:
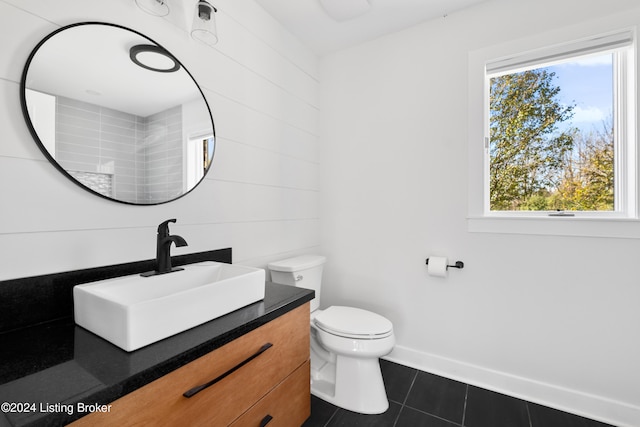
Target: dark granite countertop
x,y
48,371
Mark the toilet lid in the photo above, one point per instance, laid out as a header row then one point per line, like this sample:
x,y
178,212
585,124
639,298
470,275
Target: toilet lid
x,y
353,323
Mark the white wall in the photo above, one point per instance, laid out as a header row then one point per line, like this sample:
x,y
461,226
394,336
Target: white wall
x,y
551,319
535,316
261,198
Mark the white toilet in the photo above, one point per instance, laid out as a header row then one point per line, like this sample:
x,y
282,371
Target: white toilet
x,y
346,343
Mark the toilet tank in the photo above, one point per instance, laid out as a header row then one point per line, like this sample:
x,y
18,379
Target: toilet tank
x,y
304,271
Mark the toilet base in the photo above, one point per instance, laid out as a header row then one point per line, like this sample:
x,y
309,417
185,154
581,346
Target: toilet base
x,y
359,387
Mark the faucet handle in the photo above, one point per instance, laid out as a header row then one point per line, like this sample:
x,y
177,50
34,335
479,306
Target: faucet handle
x,y
163,228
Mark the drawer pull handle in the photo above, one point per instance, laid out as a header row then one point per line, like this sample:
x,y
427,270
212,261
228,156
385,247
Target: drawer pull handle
x,y
198,389
266,420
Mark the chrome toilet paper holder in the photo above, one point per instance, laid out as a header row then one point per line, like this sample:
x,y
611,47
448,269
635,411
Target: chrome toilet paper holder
x,y
458,264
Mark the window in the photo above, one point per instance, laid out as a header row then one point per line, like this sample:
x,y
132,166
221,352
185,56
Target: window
x,y
198,158
555,142
558,134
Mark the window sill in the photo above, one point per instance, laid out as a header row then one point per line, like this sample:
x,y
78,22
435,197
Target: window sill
x,y
621,228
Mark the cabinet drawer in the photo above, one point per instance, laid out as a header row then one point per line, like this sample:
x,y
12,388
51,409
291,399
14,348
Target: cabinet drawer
x,y
161,403
288,405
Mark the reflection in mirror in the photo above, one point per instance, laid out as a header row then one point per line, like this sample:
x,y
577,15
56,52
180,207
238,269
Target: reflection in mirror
x,y
126,123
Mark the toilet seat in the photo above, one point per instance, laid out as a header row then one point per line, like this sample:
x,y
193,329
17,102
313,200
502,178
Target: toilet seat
x,y
355,323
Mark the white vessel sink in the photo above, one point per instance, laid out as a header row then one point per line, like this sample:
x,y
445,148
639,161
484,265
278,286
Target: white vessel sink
x,y
134,311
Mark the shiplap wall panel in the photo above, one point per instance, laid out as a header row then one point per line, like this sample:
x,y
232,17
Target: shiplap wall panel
x,y
261,197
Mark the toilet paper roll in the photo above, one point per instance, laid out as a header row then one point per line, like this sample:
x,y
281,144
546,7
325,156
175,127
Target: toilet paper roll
x,y
437,266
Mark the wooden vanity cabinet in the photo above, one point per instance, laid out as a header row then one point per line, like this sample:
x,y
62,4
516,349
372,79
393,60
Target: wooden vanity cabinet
x,y
264,386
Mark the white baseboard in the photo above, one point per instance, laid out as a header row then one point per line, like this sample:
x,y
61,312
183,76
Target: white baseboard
x,y
600,408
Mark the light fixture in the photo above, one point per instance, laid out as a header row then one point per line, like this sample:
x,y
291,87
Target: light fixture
x,y
343,10
204,24
154,58
154,7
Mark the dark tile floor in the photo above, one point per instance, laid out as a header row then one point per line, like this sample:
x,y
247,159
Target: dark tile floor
x,y
420,399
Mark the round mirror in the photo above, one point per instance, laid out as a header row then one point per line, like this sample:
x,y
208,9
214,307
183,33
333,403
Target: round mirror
x,y
117,114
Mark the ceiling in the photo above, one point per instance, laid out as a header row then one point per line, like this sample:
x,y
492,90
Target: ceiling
x,y
91,63
308,21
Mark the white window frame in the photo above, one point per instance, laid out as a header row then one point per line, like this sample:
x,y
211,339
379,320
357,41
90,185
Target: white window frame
x,y
538,52
193,170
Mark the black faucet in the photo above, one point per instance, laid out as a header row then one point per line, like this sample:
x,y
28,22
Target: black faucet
x,y
163,250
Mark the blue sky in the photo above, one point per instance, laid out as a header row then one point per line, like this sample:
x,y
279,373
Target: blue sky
x,y
589,84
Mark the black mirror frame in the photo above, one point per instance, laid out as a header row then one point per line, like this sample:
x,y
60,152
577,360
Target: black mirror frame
x,y
41,146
